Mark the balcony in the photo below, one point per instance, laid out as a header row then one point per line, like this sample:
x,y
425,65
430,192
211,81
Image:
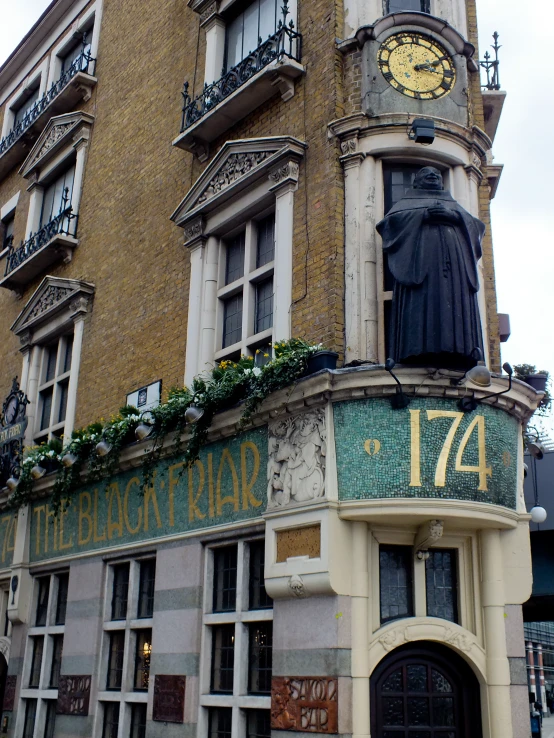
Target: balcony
x,y
55,241
271,68
74,84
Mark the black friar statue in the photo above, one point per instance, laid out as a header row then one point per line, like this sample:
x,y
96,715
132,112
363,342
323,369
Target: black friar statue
x,y
433,246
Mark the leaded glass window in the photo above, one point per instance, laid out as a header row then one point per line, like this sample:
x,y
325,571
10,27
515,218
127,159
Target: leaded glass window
x,y
260,657
61,604
396,6
120,591
138,721
115,661
42,601
220,719
223,658
258,724
259,599
111,720
395,582
146,588
142,659
225,579
442,584
264,305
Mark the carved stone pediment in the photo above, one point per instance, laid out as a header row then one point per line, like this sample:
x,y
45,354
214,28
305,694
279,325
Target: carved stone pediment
x,y
237,166
52,296
58,132
297,450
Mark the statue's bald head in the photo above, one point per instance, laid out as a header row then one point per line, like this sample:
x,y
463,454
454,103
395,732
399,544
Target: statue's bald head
x,y
428,178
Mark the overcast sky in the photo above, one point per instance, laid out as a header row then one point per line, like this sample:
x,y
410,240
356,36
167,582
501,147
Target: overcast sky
x,y
523,210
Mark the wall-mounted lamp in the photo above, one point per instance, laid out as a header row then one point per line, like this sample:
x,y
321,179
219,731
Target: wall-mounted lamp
x,y
399,400
103,448
469,404
478,374
422,131
12,483
193,414
69,459
38,471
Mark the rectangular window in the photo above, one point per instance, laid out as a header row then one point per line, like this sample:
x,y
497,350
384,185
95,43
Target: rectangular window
x,y
75,57
30,715
56,661
442,584
260,657
225,579
142,659
42,601
138,721
146,588
50,724
57,196
223,657
246,31
53,388
232,320
111,720
25,107
264,306
396,6
265,247
258,597
61,605
36,662
258,724
7,231
120,591
115,661
220,719
234,266
395,582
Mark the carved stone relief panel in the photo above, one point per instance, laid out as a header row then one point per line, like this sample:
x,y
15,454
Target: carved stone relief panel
x,y
296,468
73,695
306,704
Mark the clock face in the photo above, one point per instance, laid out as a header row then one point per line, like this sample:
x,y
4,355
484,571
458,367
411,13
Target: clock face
x,y
11,411
417,66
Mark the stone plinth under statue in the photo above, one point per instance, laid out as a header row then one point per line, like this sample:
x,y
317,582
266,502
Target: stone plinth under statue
x,y
433,246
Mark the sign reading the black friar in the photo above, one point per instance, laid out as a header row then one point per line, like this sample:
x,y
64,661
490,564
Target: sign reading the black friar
x,y
12,429
307,704
169,698
73,695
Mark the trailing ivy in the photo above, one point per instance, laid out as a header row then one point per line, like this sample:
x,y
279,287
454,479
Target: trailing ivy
x,y
227,384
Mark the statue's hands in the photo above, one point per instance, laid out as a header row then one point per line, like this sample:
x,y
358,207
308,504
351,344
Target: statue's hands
x,y
438,213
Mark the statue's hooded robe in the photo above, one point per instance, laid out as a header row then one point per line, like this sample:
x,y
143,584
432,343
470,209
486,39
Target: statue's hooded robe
x,y
435,315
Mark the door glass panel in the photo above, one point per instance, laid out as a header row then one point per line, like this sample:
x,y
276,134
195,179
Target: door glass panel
x,y
418,711
393,711
440,683
393,683
417,678
443,711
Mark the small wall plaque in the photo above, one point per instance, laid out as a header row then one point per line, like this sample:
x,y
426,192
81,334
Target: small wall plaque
x,y
307,704
9,692
169,698
73,695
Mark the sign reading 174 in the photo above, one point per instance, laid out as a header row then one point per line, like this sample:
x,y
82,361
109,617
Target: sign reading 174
x,y
476,426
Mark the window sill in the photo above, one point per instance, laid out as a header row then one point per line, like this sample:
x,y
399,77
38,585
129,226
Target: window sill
x,y
58,247
78,88
277,77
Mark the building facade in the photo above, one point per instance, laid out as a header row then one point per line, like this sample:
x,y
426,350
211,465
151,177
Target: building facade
x,y
346,564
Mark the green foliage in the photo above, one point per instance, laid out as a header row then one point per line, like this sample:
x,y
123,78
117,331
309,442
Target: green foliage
x,y
227,384
522,371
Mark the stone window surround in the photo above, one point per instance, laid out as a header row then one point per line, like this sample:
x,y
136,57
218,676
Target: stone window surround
x,y
56,318
456,153
467,562
265,185
126,696
240,700
43,692
7,211
48,71
41,169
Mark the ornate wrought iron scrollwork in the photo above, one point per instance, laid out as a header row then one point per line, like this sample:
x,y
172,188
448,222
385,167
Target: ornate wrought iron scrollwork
x,y
491,66
64,223
84,62
284,42
12,428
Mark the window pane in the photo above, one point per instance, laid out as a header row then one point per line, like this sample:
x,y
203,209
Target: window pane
x,y
223,657
265,248
260,657
263,354
259,599
46,399
42,601
233,40
25,107
138,721
36,663
225,579
120,591
57,196
142,659
7,239
63,389
232,320
220,722
258,724
268,18
264,306
441,584
234,267
50,725
51,357
56,661
251,19
75,52
146,588
395,582
115,662
68,354
398,5
61,605
111,720
30,714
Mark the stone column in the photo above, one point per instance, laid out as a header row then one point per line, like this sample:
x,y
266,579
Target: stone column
x,y
360,646
497,666
35,207
79,327
209,305
214,27
32,393
196,249
81,149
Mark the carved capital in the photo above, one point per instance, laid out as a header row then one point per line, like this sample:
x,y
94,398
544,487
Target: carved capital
x,y
428,535
297,586
25,341
350,146
80,306
285,175
212,9
194,230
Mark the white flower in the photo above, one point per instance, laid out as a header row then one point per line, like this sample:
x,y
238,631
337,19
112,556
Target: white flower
x,y
256,371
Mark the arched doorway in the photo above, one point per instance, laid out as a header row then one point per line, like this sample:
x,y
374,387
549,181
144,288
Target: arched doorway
x,y
424,690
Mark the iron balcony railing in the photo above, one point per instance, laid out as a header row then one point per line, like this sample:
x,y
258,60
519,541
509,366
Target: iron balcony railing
x,y
83,63
284,42
490,66
64,223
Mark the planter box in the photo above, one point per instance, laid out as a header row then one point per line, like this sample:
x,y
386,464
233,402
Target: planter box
x,y
321,360
537,381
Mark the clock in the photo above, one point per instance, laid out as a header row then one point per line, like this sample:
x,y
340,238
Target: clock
x,y
10,413
417,66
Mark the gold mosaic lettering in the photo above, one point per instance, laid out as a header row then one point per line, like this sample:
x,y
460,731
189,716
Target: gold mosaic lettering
x,y
130,484
247,496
